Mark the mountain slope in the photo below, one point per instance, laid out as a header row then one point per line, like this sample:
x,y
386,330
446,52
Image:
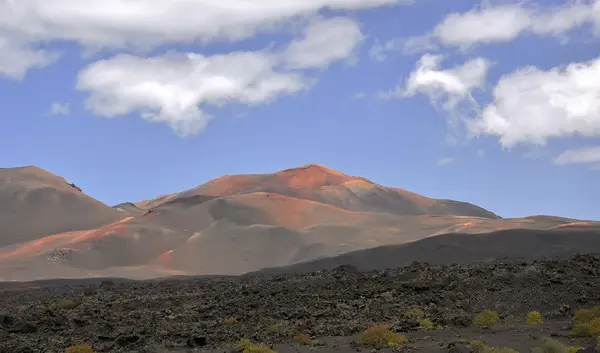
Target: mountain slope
x,y
35,203
321,184
233,225
460,248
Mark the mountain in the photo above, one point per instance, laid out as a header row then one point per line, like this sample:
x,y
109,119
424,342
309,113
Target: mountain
x,y
35,203
233,224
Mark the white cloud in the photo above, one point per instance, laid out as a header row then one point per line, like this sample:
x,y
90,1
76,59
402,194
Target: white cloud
x,y
60,109
583,155
378,51
503,23
445,161
323,42
148,23
172,88
17,58
445,88
531,105
359,95
175,88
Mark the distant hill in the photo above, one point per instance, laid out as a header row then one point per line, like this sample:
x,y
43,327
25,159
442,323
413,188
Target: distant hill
x,y
514,244
35,203
231,225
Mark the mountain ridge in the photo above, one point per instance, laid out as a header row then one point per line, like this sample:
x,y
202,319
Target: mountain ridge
x,y
233,224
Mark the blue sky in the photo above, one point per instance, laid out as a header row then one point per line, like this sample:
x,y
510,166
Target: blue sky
x,y
494,102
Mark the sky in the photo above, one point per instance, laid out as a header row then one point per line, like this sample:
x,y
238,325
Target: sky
x,y
492,102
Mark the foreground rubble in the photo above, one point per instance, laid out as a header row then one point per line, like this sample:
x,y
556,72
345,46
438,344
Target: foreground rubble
x,y
207,314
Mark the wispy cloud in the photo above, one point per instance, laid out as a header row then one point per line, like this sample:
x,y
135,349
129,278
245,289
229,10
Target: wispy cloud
x,y
62,109
583,155
445,161
503,23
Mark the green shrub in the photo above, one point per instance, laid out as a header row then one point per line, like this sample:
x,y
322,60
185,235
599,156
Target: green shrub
x,y
500,350
534,318
426,323
598,344
550,345
586,315
573,349
480,347
275,328
486,318
588,329
246,346
414,314
67,304
80,348
477,346
305,339
229,320
379,335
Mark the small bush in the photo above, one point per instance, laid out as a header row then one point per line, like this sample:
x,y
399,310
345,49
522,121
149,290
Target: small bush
x,y
598,344
534,318
480,347
477,346
379,335
586,315
305,339
573,349
415,314
246,346
426,323
242,344
550,345
80,348
275,328
67,304
258,348
500,350
588,329
486,318
229,320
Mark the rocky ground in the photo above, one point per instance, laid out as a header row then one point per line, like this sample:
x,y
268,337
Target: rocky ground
x,y
333,306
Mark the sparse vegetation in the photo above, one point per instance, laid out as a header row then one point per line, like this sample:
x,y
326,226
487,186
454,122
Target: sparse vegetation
x,y
550,345
426,323
480,347
379,335
80,348
586,315
415,314
500,350
477,346
598,344
573,349
588,329
275,328
246,346
588,322
305,339
486,318
229,320
534,318
68,304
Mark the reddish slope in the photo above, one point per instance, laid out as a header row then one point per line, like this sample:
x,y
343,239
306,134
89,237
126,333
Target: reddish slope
x,y
321,184
35,203
241,223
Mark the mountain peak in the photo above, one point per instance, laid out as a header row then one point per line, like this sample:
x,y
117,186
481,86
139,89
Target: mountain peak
x,y
315,172
314,167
